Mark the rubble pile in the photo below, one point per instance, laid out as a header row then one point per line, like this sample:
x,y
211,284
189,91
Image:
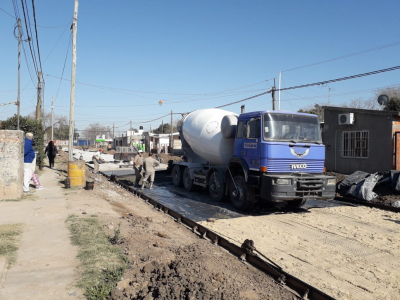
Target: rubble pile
x,y
376,187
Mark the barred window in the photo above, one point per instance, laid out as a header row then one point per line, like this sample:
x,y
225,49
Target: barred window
x,y
355,144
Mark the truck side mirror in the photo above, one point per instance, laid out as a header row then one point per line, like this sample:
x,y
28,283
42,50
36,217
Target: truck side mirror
x,y
246,131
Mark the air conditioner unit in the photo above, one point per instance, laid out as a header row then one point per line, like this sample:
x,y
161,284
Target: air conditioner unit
x,y
346,119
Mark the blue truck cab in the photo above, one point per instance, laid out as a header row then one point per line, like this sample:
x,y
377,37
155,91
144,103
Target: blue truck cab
x,y
278,156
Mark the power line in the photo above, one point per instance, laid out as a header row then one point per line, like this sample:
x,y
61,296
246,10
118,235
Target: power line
x,y
62,74
347,55
159,93
342,78
37,38
41,26
316,83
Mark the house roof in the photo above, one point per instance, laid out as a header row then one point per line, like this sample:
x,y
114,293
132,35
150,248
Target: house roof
x,y
363,111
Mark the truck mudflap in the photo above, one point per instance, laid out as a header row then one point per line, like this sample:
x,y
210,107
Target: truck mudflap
x,y
297,186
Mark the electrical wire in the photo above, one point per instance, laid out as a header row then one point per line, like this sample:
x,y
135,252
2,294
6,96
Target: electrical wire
x,y
65,61
26,17
37,37
342,78
41,26
62,34
346,56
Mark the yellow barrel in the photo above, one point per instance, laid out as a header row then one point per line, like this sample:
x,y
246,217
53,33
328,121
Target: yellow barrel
x,y
76,173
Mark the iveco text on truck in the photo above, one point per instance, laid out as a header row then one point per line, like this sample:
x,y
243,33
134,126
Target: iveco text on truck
x,y
269,155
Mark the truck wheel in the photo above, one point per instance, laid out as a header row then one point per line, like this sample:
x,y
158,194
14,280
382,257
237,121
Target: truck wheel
x,y
216,187
241,195
177,175
188,181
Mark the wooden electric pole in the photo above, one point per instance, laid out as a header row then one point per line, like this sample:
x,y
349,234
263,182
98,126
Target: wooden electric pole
x,y
19,71
73,73
39,100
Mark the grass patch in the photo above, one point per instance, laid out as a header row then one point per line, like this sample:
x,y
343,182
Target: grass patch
x,y
103,264
9,239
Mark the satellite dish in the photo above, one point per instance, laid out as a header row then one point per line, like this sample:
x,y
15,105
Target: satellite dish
x,y
383,100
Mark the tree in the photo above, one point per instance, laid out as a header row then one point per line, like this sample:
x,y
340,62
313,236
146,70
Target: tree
x,y
315,109
93,130
26,124
393,105
363,104
165,128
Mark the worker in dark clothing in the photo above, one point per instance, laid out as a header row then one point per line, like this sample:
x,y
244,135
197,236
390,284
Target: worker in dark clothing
x,y
51,151
149,164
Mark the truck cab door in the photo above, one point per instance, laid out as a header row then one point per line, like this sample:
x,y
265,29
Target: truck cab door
x,y
251,143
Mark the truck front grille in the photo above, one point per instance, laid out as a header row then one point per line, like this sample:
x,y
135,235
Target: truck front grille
x,y
283,165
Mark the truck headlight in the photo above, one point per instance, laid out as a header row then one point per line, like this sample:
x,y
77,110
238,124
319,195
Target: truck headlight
x,y
331,181
282,181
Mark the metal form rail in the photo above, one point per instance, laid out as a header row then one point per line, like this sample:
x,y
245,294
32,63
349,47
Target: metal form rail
x,y
246,252
369,204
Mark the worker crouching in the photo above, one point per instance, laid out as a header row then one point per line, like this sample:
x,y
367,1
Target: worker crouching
x,y
149,164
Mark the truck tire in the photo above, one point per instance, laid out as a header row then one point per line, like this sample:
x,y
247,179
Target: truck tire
x,y
241,195
188,180
177,175
216,187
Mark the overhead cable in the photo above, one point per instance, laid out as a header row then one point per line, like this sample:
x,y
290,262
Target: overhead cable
x,y
346,56
341,79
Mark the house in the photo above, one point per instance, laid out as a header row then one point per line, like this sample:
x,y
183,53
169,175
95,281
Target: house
x,y
361,140
161,142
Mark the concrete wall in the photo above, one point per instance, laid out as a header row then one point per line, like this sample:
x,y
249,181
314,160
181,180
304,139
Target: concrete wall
x,y
11,164
379,125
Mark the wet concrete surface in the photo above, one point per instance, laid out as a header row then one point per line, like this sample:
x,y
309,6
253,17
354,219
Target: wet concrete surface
x,y
198,206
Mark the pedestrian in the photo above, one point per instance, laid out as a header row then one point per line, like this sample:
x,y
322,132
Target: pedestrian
x,y
35,179
138,167
29,155
149,164
51,151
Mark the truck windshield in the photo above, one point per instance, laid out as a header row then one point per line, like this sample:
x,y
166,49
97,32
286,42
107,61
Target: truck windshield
x,y
289,127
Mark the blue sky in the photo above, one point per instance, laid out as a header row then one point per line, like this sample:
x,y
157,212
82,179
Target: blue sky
x,y
196,54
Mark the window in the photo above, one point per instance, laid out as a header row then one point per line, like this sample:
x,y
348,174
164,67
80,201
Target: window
x,y
254,126
355,144
239,134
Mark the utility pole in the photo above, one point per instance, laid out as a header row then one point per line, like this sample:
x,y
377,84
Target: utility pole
x,y
273,96
52,118
113,130
162,126
130,125
39,100
172,139
73,73
279,92
19,71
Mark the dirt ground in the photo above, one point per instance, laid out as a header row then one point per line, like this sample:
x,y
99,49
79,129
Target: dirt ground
x,y
347,252
166,260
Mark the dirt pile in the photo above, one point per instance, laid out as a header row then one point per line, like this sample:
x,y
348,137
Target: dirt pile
x,y
168,266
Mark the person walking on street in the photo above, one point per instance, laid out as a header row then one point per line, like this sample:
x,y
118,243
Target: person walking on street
x,y
51,151
149,164
138,167
29,155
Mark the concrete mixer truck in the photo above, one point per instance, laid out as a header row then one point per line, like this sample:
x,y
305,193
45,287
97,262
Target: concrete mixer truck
x,y
263,155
